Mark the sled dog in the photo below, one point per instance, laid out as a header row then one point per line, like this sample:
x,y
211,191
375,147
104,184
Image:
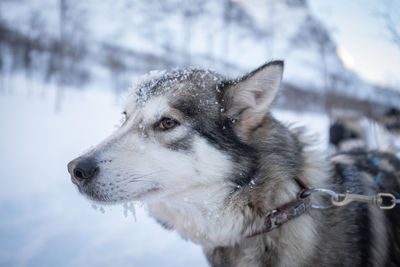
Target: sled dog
x,y
352,132
209,161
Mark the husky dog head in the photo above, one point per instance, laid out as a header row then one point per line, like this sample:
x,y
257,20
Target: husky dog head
x,y
186,147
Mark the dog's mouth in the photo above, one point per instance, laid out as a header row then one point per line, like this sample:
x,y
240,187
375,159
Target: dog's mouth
x,y
79,184
112,193
95,182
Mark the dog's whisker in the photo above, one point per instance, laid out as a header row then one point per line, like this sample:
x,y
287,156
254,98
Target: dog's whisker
x,y
137,177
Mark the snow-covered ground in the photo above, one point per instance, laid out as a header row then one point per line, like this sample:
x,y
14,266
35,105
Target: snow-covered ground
x,y
44,220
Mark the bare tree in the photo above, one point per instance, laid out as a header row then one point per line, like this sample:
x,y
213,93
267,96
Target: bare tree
x,y
312,33
393,28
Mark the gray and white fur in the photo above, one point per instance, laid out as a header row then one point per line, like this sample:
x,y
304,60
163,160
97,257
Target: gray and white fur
x,y
209,161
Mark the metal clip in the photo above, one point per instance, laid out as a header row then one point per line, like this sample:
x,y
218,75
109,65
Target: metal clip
x,y
392,199
377,200
347,198
340,200
332,194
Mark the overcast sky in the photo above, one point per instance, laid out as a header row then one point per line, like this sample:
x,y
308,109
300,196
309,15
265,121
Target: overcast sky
x,y
359,29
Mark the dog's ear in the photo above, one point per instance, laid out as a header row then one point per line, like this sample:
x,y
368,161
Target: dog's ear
x,y
247,99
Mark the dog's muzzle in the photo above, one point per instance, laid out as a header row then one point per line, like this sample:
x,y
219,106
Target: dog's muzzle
x,y
82,170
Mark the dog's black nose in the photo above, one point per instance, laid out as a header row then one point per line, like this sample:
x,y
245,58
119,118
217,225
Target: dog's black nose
x,y
83,169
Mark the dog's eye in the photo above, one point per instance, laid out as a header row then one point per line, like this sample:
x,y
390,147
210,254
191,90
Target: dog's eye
x,y
168,123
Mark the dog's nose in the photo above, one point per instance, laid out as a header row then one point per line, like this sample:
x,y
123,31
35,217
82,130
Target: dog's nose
x,y
83,169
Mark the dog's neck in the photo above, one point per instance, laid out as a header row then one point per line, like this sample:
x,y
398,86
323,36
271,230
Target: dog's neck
x,y
213,216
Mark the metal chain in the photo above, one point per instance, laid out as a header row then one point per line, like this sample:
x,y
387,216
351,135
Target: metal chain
x,y
397,201
340,200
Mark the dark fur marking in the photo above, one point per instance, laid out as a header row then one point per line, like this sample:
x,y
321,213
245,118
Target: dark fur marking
x,y
245,178
182,144
224,138
363,222
393,218
221,135
188,108
338,133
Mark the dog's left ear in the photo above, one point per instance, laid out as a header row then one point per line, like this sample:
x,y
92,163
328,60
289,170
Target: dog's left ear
x,y
247,100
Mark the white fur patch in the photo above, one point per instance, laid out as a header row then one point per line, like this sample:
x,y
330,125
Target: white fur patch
x,y
186,189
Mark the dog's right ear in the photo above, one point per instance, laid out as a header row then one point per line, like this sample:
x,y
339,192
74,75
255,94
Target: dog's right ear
x,y
247,99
